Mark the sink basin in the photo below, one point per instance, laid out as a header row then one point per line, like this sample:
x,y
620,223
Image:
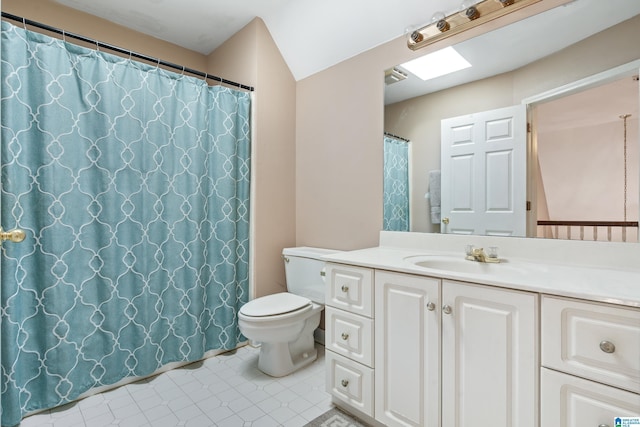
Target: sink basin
x,y
460,265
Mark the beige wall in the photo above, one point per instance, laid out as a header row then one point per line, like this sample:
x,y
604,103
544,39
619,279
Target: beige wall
x,y
252,54
252,58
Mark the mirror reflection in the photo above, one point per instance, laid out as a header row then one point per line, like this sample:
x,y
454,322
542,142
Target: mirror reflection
x,y
581,160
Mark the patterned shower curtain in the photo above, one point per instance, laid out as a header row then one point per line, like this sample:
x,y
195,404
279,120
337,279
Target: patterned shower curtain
x,y
132,184
396,184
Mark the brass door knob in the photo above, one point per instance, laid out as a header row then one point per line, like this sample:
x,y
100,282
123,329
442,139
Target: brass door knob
x,y
16,235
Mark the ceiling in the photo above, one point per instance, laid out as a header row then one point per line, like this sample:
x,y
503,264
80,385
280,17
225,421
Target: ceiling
x,y
313,35
593,107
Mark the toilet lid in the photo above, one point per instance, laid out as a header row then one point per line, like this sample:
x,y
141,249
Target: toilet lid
x,y
271,305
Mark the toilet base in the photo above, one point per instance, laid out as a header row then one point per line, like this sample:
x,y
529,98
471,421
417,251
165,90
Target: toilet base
x,y
275,359
278,359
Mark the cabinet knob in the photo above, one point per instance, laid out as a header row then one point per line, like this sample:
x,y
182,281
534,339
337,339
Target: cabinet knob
x,y
607,346
446,309
345,336
345,288
431,306
344,383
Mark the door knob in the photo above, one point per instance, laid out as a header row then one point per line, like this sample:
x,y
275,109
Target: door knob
x,y
16,235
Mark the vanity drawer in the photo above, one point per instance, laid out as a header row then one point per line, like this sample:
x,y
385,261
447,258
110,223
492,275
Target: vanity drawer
x,y
350,335
595,341
350,382
568,401
350,288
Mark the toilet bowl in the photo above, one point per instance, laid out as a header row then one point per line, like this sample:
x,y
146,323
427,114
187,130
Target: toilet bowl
x,y
284,323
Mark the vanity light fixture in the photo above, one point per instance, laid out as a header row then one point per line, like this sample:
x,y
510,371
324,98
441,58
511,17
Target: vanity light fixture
x,y
471,14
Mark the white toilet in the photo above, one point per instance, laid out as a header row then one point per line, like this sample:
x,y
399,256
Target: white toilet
x,y
284,323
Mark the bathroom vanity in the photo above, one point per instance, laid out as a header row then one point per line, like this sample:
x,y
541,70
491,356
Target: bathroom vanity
x,y
416,335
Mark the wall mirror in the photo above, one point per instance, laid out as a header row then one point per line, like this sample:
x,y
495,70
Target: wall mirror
x,y
582,157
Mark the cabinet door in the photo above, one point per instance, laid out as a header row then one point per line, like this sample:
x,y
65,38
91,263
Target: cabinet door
x,y
407,350
569,401
489,356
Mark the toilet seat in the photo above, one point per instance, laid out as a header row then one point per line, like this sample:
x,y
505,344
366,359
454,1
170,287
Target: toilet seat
x,y
276,304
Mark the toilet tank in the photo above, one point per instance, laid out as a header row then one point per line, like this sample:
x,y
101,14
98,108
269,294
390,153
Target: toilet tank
x,y
302,267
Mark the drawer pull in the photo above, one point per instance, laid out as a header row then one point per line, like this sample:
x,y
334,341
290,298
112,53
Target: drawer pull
x,y
603,425
607,346
344,383
345,336
447,309
431,306
345,288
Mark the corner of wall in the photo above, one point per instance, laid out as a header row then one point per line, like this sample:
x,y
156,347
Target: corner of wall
x,y
252,57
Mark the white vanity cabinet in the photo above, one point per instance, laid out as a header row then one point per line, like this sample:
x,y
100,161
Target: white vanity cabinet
x,y
490,361
407,350
349,336
591,363
454,354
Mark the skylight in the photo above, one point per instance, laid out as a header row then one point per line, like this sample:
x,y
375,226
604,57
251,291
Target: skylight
x,y
436,64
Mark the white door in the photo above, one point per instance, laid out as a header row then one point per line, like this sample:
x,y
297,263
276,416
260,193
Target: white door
x,y
489,356
484,173
407,350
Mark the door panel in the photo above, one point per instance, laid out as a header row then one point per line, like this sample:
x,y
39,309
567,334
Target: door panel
x,y
484,172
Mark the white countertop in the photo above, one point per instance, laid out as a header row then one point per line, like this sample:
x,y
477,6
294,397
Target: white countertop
x,y
610,285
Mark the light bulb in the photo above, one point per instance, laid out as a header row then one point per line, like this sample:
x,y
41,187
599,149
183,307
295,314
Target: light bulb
x,y
413,35
438,16
469,10
466,4
440,21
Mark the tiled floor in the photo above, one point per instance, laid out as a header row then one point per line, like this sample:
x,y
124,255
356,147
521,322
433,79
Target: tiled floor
x,y
226,390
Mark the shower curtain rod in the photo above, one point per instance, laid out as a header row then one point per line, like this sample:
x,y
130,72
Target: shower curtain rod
x,y
397,137
124,51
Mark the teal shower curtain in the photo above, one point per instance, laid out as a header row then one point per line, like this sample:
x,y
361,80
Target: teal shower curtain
x,y
396,184
132,184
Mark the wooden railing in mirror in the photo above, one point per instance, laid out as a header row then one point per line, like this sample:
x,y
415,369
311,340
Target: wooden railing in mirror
x,y
609,231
